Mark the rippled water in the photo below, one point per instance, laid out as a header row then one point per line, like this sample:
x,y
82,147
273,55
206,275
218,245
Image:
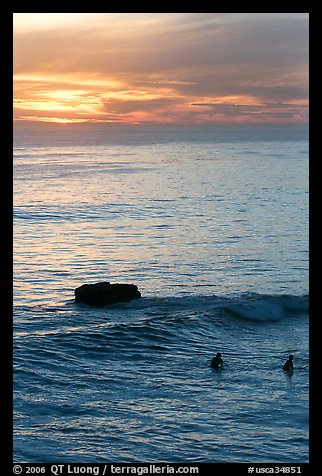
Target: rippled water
x,y
212,225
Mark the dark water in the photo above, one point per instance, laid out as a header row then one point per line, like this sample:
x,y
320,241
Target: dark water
x,y
212,225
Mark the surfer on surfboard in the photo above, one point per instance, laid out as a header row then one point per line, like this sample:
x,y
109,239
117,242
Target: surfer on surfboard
x,y
217,361
288,366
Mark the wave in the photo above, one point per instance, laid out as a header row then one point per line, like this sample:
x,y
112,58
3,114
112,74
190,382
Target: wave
x,y
249,306
252,307
263,308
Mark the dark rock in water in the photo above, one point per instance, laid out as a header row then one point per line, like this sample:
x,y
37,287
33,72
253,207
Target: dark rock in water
x,y
101,294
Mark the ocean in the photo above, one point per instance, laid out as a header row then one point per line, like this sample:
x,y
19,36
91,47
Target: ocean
x,y
211,224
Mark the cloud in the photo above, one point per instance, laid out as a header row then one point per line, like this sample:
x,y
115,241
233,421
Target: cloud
x,y
166,61
272,111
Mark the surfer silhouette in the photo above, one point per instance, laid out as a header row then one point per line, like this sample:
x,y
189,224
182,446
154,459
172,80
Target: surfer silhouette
x,y
217,361
288,366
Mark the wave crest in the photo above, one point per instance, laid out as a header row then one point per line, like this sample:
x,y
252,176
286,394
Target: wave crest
x,y
264,308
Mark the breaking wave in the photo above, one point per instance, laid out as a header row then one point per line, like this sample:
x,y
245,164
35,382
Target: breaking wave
x,y
252,307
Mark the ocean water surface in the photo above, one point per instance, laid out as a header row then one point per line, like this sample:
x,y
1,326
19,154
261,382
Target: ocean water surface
x,y
211,223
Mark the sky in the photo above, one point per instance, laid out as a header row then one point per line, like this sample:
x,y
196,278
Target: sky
x,y
181,68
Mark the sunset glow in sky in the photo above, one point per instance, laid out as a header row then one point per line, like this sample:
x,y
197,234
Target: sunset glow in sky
x,y
184,68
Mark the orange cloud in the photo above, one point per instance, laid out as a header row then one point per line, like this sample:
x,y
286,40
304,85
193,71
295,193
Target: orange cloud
x,y
183,68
